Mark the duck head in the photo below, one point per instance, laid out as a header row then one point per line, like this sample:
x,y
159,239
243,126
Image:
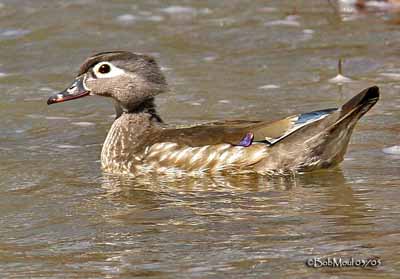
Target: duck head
x,y
130,79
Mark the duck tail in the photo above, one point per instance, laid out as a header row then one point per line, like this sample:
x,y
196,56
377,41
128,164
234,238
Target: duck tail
x,y
323,143
331,143
361,103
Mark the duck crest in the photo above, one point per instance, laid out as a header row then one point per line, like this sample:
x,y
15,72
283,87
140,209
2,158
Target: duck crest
x,y
106,56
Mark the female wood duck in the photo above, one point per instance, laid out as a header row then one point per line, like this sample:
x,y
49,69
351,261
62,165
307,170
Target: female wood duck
x,y
139,141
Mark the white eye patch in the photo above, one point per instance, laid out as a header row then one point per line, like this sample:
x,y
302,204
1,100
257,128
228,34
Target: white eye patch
x,y
107,70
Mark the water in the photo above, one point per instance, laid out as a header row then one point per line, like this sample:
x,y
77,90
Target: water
x,y
61,217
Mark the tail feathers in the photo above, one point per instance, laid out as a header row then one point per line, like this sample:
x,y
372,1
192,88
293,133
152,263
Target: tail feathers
x,y
326,121
367,98
323,142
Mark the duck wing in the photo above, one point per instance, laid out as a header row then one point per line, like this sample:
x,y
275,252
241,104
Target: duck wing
x,y
233,131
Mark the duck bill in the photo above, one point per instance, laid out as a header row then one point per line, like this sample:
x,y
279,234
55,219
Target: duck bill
x,y
75,91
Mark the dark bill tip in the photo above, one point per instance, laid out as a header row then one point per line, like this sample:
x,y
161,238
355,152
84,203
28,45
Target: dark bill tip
x,y
75,91
61,97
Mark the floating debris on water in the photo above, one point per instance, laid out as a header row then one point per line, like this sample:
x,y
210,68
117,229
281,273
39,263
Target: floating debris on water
x,y
34,116
144,16
269,86
340,78
46,89
165,69
68,146
347,6
56,118
83,124
290,20
126,18
197,102
209,58
392,150
179,10
308,31
13,33
381,4
185,10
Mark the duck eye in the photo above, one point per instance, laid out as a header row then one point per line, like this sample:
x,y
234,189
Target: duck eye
x,y
104,69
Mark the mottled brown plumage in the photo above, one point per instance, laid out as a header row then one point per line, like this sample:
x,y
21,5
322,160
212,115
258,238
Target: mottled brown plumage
x,y
138,141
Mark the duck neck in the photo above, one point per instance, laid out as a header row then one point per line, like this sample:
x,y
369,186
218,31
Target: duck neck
x,y
130,133
147,106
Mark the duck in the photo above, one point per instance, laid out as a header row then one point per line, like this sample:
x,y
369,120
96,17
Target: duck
x,y
140,142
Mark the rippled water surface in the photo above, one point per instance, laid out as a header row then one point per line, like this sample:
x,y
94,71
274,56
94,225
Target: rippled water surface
x,y
61,217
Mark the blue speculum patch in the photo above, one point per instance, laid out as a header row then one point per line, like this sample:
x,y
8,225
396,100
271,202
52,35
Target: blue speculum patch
x,y
310,116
